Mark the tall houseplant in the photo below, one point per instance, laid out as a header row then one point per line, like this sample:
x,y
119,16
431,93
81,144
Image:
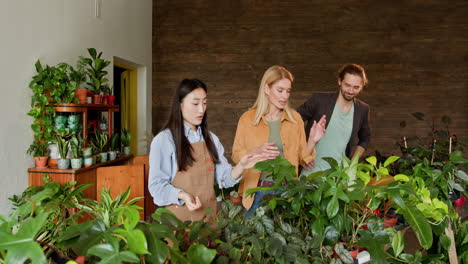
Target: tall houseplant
x,y
78,77
42,112
97,80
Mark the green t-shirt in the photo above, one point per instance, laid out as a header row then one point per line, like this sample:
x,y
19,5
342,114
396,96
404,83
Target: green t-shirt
x,y
275,137
333,143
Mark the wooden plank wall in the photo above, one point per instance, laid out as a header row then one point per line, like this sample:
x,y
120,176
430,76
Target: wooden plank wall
x,y
415,53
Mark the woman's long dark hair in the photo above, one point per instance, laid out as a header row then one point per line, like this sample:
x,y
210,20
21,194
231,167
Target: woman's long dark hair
x,y
176,125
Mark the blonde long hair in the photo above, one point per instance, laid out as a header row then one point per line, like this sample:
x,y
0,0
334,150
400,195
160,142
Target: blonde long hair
x,y
262,105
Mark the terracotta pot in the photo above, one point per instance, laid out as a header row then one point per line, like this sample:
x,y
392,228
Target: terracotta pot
x,y
97,99
460,201
389,222
111,99
52,163
40,162
81,95
105,99
80,259
353,252
235,200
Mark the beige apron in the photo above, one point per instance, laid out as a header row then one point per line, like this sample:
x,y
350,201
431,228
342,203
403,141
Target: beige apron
x,y
197,180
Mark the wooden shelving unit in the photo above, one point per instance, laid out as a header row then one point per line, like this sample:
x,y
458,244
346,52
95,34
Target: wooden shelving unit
x,y
85,109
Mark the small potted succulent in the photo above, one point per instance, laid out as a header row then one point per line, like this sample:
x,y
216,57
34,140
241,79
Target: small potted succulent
x,y
76,144
99,142
114,146
125,138
63,162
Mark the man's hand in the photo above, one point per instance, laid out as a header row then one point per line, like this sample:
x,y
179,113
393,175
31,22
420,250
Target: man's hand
x,y
192,203
310,166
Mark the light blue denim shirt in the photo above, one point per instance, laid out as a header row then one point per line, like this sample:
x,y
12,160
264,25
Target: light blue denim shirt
x,y
163,166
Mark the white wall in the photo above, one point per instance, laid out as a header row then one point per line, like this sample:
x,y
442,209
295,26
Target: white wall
x,y
55,31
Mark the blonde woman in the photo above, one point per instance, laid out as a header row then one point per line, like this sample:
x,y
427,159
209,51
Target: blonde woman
x,y
271,126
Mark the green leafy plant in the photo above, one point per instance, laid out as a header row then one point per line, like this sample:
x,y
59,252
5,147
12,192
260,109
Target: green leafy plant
x,y
63,90
38,149
62,144
114,142
41,110
99,141
95,71
125,138
76,145
41,214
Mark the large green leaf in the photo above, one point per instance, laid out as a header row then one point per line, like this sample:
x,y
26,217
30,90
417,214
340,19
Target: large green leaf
x,y
110,253
390,160
398,243
332,207
419,224
21,245
199,254
136,240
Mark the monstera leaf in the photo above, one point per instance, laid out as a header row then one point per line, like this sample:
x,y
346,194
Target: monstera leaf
x,y
110,253
19,244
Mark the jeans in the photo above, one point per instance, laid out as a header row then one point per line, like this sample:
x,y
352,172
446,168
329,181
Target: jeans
x,y
257,201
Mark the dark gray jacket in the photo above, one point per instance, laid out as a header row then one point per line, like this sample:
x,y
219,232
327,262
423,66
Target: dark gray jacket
x,y
323,103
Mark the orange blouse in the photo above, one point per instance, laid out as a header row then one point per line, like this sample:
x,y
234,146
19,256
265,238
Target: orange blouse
x,y
250,136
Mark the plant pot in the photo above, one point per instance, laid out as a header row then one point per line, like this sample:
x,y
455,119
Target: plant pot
x,y
353,252
63,164
390,221
88,161
40,162
112,155
460,201
80,259
127,150
77,163
111,99
87,152
52,163
97,99
81,95
103,156
73,120
235,200
105,99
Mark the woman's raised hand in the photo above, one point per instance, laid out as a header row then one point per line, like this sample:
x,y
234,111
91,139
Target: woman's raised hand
x,y
318,130
249,160
192,203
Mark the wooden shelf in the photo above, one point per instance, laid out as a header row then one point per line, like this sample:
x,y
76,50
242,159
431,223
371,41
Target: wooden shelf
x,y
77,171
85,109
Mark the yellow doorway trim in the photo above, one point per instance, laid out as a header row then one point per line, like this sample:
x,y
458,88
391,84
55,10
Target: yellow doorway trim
x,y
129,102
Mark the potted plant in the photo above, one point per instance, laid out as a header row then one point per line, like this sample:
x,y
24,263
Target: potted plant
x,y
76,145
97,80
63,90
125,138
78,77
41,111
38,150
99,142
63,162
235,198
114,146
